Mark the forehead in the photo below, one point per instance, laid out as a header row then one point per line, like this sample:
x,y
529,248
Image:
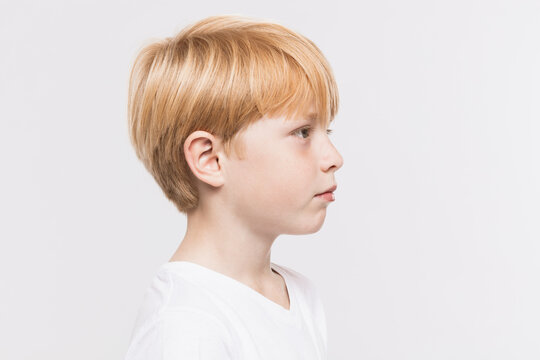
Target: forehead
x,y
310,116
295,116
310,113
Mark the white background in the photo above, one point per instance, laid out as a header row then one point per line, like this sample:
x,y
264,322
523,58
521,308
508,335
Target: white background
x,y
431,249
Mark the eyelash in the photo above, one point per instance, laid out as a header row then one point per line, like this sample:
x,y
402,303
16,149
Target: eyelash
x,y
328,131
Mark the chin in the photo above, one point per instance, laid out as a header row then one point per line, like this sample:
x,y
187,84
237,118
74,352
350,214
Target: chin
x,y
309,226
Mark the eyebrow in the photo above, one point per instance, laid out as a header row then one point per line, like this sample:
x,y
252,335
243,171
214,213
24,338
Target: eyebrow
x,y
311,116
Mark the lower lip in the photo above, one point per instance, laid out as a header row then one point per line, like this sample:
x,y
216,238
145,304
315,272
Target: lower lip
x,y
328,196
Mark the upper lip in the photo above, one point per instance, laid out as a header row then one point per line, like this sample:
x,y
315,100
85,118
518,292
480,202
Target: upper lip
x,y
331,189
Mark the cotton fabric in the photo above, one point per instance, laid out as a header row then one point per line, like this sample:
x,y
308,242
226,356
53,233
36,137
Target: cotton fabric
x,y
190,312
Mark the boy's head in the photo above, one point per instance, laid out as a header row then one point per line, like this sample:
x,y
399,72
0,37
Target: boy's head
x,y
233,85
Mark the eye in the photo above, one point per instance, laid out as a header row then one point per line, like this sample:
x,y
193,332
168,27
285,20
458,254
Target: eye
x,y
308,130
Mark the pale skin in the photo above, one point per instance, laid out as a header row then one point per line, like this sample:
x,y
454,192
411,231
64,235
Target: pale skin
x,y
245,204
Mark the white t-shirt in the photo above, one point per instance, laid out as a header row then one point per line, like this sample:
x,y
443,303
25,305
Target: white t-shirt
x,y
191,312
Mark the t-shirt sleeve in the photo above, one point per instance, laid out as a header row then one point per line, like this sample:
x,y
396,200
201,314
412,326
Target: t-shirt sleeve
x,y
184,334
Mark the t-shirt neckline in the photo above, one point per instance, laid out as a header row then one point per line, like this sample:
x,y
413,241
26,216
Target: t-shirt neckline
x,y
286,314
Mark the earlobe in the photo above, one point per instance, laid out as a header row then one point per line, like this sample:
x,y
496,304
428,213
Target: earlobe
x,y
202,157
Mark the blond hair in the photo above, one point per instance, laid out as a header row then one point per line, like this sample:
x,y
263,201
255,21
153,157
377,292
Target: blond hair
x,y
219,75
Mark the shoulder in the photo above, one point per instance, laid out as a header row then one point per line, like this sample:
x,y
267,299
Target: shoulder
x,y
170,291
178,319
182,333
193,333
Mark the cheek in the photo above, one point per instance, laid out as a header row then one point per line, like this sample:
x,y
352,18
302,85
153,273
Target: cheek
x,y
285,177
274,177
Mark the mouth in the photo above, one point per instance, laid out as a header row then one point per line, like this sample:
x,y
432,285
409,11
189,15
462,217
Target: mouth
x,y
327,196
328,191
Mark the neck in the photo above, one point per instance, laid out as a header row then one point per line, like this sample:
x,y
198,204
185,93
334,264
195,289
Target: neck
x,y
224,243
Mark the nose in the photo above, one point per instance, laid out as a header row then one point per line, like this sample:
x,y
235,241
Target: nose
x,y
332,158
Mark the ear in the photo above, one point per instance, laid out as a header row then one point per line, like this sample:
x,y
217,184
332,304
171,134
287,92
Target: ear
x,y
200,149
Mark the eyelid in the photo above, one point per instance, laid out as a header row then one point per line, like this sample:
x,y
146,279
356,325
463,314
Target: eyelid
x,y
309,127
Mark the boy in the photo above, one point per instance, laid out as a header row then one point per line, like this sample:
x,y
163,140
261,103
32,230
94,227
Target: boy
x,y
230,117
